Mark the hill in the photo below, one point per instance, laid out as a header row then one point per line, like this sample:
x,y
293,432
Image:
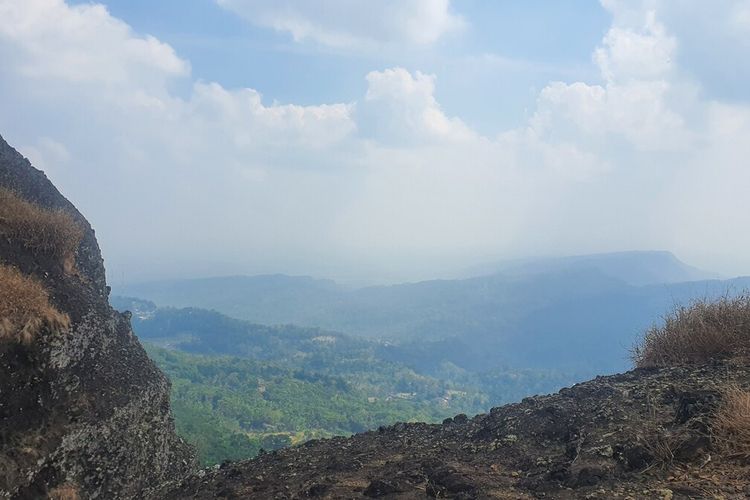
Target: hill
x,y
641,434
558,317
230,408
358,384
636,268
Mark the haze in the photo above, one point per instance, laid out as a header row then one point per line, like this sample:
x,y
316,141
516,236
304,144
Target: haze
x,y
388,140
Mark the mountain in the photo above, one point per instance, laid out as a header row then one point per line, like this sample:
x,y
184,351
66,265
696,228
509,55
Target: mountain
x,y
635,267
425,368
641,434
567,315
264,299
84,413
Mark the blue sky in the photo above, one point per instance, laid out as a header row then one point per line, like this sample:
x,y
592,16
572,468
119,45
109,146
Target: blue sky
x,y
385,140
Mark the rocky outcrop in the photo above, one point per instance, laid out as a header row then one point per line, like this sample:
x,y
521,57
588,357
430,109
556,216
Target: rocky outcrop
x,y
82,413
642,434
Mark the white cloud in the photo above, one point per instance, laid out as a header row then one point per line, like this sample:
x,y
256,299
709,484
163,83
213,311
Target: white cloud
x,y
646,54
400,107
49,39
635,103
352,24
221,181
242,116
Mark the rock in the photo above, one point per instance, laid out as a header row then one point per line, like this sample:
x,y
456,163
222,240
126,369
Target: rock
x,y
461,418
637,456
510,438
666,494
319,490
692,447
86,411
381,487
696,404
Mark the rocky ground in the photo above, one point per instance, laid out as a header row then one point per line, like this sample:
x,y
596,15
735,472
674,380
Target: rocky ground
x,y
642,434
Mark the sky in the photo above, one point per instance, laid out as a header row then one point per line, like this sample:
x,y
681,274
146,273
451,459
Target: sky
x,y
385,140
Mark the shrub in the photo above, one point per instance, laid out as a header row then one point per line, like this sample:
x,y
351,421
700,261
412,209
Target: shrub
x,y
25,309
697,333
42,231
661,440
731,423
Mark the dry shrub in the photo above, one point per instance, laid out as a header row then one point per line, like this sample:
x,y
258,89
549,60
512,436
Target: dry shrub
x,y
662,442
697,333
64,492
48,232
25,309
731,423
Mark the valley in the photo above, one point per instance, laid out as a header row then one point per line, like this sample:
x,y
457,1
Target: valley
x,y
445,347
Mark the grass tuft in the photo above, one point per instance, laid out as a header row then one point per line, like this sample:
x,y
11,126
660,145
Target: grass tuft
x,y
25,309
702,331
64,492
54,233
731,423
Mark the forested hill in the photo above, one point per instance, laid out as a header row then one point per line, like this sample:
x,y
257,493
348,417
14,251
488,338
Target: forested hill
x,y
238,386
570,314
231,408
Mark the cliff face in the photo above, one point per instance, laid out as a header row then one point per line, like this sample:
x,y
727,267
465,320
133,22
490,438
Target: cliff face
x,y
82,412
642,434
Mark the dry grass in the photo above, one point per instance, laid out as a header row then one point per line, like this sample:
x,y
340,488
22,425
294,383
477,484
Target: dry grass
x,y
661,443
49,232
64,492
697,333
25,309
731,423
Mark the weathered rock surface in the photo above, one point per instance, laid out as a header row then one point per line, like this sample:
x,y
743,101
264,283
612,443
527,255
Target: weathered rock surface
x,y
86,411
600,439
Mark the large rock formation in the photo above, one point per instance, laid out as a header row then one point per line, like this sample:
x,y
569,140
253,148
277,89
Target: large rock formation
x,y
84,412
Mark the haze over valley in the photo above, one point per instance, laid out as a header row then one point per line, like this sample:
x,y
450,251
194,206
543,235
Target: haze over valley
x,y
374,248
423,351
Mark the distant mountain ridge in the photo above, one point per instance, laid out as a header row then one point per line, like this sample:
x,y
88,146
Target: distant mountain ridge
x,y
634,267
568,311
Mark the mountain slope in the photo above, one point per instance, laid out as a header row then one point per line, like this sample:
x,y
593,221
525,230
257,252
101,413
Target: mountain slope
x,y
83,411
598,439
558,317
230,407
265,375
635,268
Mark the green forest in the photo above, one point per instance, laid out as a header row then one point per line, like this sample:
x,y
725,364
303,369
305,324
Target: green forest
x,y
230,408
240,387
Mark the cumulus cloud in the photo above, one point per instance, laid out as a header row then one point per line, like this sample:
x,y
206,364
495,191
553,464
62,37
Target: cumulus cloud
x,y
219,180
89,45
400,108
352,23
